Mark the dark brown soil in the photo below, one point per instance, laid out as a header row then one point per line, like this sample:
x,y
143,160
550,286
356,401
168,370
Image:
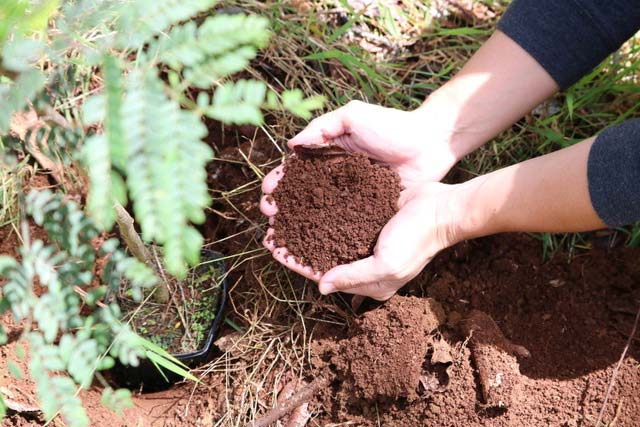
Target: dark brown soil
x,y
332,207
530,343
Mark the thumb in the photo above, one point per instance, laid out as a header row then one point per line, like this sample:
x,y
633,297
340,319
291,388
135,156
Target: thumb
x,y
321,130
347,276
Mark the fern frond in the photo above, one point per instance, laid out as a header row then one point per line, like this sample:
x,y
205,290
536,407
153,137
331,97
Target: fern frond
x,y
122,268
294,101
116,400
141,20
65,223
222,45
203,75
239,102
101,150
57,394
165,169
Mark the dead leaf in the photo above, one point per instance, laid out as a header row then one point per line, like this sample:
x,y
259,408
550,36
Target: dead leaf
x,y
430,384
441,352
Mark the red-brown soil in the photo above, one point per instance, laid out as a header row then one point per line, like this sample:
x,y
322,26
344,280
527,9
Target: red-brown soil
x,y
571,319
332,206
370,370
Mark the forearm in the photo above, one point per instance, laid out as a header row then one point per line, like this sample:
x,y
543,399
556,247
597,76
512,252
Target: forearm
x,y
498,85
546,194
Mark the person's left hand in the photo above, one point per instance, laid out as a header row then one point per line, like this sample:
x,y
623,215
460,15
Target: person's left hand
x,y
426,222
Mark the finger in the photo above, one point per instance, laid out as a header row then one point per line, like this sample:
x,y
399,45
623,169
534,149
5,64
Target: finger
x,y
268,205
270,182
269,242
379,291
348,276
283,257
321,130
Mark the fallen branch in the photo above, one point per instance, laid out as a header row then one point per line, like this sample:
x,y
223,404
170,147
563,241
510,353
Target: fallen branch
x,y
282,409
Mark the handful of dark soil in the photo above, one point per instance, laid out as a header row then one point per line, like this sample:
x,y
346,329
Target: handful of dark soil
x,y
332,206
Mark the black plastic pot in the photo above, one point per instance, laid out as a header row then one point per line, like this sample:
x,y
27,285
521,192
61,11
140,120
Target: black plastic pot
x,y
146,376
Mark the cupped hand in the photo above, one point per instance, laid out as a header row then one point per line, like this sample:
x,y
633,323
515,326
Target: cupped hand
x,y
418,150
415,143
426,223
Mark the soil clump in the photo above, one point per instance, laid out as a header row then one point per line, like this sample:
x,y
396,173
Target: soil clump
x,y
383,354
332,207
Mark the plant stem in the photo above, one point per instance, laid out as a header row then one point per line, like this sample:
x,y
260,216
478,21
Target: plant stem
x,y
137,248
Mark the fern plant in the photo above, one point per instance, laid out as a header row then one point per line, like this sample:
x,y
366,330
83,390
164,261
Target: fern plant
x,y
164,67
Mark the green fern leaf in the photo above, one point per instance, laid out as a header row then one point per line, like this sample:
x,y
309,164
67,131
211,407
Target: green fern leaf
x,y
222,45
166,173
141,20
294,101
239,102
116,400
100,151
205,74
57,394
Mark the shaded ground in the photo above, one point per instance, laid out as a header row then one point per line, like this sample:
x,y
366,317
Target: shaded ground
x,y
573,317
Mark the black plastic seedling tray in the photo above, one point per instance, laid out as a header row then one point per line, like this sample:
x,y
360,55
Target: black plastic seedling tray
x,y
146,376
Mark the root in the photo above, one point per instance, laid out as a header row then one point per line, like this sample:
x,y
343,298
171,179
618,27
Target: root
x,y
299,398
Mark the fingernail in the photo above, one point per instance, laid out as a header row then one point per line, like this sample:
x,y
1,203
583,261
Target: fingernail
x,y
326,288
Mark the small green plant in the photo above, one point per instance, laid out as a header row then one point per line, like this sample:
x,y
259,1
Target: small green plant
x,y
120,89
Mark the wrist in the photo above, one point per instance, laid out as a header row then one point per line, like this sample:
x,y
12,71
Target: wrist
x,y
474,212
448,110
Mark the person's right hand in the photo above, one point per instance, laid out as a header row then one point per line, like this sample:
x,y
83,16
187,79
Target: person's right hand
x,y
416,143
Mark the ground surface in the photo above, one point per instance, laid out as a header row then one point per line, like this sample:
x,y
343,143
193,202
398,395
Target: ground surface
x,y
572,316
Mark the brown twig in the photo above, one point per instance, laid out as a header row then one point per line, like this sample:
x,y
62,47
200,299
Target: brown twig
x,y
290,404
617,368
135,244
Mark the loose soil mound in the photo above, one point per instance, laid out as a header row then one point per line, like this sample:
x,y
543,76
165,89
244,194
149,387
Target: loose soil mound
x,y
332,206
382,356
532,343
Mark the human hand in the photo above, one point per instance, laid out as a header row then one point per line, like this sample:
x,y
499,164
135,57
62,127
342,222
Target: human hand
x,y
417,144
426,222
393,137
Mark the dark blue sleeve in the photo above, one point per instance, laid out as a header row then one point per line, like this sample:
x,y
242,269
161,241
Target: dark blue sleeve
x,y
613,173
570,37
